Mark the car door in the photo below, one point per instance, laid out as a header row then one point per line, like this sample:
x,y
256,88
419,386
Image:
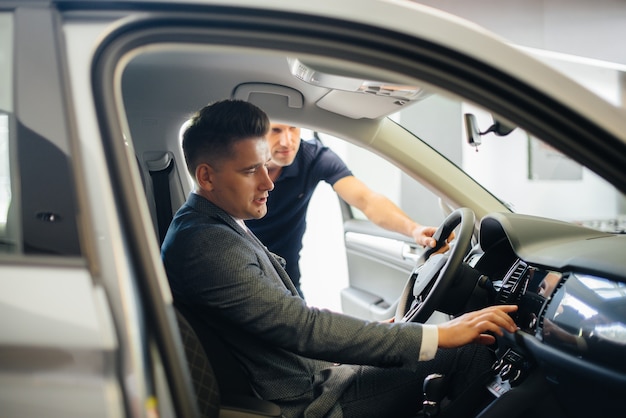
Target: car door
x,y
56,328
379,262
77,334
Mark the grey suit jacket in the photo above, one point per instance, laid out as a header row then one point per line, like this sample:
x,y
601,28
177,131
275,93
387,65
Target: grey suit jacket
x,y
226,276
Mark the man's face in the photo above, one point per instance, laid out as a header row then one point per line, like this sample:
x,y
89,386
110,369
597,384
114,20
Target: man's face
x,y
240,185
284,142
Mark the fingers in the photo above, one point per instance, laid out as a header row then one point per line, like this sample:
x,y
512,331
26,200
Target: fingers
x,y
424,237
485,339
497,318
474,326
446,247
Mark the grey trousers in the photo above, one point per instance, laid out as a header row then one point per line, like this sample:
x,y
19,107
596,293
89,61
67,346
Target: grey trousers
x,y
380,392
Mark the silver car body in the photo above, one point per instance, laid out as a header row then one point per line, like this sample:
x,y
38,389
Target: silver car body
x,y
93,334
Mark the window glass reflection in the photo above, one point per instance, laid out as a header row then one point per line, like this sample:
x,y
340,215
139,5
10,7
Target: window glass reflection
x,y
5,179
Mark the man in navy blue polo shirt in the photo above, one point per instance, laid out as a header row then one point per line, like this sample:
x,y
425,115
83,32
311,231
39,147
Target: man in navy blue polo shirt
x,y
296,167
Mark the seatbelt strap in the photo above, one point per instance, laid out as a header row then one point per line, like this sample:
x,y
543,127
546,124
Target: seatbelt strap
x,y
162,197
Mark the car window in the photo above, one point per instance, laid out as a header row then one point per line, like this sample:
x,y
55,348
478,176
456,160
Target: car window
x,y
5,179
6,104
387,179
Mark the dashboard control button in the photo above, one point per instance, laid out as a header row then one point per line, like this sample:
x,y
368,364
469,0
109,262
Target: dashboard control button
x,y
506,372
497,366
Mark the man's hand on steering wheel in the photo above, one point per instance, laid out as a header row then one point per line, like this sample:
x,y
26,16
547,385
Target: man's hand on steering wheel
x,y
423,235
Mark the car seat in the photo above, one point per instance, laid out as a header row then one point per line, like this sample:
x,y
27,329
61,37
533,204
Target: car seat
x,y
222,388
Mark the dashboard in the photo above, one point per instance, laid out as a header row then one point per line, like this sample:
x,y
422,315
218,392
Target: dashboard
x,y
569,283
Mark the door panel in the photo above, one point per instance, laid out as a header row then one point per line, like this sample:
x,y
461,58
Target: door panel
x,y
379,261
379,264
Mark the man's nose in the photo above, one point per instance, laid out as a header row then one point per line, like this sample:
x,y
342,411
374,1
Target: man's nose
x,y
285,139
266,182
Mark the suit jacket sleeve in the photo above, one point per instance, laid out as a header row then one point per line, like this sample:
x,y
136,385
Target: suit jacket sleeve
x,y
227,271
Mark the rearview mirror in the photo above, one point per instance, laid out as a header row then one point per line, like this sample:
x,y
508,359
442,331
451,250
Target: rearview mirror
x,y
474,134
471,128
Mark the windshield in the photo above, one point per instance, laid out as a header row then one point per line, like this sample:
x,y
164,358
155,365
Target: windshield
x,y
528,175
524,173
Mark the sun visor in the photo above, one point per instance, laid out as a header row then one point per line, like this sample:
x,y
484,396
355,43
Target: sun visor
x,y
255,92
355,97
359,105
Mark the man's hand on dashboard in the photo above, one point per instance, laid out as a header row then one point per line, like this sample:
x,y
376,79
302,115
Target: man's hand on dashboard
x,y
472,327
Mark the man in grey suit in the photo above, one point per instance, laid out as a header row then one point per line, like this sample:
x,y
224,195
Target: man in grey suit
x,y
222,273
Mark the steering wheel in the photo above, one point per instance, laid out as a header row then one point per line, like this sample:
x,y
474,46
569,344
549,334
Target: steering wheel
x,y
428,283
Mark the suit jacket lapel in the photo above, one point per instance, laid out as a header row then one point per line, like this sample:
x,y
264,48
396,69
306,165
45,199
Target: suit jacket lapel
x,y
203,205
278,266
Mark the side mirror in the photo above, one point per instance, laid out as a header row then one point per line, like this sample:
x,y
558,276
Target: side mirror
x,y
474,134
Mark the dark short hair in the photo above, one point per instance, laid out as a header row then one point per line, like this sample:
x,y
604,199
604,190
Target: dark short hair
x,y
212,131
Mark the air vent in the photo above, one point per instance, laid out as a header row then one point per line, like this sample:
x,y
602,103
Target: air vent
x,y
509,292
542,314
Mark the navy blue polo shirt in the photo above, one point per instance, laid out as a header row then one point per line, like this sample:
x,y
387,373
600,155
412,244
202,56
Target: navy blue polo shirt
x,y
282,229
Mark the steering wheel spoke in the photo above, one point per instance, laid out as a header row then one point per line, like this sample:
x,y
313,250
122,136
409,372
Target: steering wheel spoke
x,y
415,305
429,272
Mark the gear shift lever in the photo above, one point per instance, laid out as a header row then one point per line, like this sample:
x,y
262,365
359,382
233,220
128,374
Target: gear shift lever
x,y
434,391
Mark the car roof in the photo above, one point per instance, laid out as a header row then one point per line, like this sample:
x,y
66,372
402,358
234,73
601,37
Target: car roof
x,y
445,30
462,41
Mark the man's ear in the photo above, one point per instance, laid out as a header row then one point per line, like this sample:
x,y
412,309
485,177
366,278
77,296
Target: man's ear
x,y
205,177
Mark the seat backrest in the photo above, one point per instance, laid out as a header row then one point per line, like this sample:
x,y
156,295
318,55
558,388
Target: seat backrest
x,y
222,387
202,374
231,378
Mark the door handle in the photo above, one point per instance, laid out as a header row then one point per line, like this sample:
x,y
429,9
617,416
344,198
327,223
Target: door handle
x,y
410,252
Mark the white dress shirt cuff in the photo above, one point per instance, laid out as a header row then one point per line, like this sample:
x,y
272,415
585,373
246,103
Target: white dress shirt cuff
x,y
430,342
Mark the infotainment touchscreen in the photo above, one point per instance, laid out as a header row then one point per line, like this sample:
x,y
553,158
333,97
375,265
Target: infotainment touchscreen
x,y
587,317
